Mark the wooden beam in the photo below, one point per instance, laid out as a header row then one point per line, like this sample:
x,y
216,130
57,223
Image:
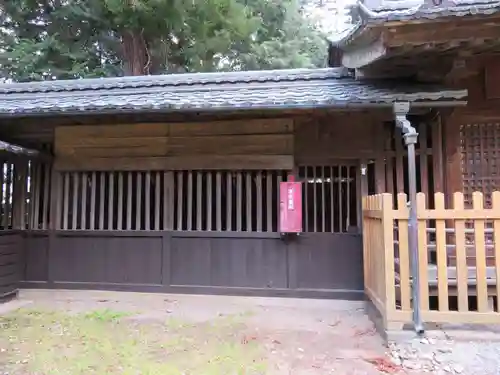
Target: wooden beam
x,y
443,33
206,162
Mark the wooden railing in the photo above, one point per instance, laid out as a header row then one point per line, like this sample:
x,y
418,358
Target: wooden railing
x,y
459,259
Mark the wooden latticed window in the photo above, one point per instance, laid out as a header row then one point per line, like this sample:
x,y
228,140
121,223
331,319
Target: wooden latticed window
x,y
329,198
188,200
480,160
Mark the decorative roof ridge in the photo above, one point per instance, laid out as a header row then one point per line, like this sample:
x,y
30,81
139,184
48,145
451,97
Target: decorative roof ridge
x,y
174,80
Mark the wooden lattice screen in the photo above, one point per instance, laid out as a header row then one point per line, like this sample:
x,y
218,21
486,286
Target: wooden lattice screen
x,y
190,200
480,160
330,196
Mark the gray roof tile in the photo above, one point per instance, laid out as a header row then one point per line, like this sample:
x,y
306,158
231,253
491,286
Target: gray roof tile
x,y
367,16
223,91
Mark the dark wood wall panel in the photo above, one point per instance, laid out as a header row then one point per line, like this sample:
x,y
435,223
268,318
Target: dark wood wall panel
x,y
317,264
330,261
229,262
10,263
36,255
103,259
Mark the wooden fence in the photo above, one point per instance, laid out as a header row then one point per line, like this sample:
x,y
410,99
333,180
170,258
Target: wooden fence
x,y
459,259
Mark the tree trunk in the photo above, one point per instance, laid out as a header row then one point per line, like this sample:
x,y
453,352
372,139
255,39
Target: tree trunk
x,y
136,57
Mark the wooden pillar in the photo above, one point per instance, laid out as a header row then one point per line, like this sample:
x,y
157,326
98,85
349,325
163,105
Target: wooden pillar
x,y
452,155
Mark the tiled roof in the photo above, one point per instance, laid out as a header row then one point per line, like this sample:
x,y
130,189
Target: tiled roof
x,y
409,10
459,8
298,88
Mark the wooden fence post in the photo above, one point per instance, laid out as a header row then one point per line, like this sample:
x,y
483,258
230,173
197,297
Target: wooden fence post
x,y
388,241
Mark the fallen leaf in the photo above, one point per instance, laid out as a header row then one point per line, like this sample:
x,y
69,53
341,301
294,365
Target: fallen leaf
x,y
384,365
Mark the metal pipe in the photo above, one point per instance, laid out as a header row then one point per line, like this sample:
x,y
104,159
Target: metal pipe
x,y
410,137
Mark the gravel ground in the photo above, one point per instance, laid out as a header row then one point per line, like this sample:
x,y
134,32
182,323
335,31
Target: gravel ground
x,y
300,336
447,356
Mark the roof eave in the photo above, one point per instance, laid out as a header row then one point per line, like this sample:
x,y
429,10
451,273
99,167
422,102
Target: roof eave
x,y
424,103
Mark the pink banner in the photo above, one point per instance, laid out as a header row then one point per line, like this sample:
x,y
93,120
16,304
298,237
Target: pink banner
x,y
290,207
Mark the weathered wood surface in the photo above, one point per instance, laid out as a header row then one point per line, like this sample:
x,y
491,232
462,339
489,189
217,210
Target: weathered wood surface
x,y
205,262
388,279
10,262
254,144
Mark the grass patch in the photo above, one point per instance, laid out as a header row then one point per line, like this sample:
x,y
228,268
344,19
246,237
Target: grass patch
x,y
101,342
106,315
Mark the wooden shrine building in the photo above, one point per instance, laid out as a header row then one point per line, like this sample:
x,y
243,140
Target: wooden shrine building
x,y
170,183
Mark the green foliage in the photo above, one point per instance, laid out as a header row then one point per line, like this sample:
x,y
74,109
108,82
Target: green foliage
x,y
47,39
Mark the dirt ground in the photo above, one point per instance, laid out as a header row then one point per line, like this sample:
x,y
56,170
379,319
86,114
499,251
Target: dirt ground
x,y
82,331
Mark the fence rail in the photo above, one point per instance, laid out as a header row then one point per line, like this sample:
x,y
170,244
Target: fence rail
x,y
458,253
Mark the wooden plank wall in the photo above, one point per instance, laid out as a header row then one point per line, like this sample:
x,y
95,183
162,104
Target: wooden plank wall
x,y
250,144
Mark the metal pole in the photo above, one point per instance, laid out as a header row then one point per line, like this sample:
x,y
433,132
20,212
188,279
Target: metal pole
x,y
410,140
410,137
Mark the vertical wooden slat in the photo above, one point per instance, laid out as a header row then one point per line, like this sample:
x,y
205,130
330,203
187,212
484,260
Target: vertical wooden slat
x,y
190,201
404,255
229,201
380,178
84,210
495,200
269,201
74,209
102,198
389,165
306,199
120,201
157,200
111,198
441,255
218,200
167,207
479,242
400,182
3,189
8,195
388,241
362,191
423,255
56,199
47,171
332,199
180,200
138,202
129,200
339,192
209,200
315,202
279,179
259,200
437,156
93,186
460,253
248,191
38,177
239,197
323,203
147,201
424,172
389,175
199,198
348,199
